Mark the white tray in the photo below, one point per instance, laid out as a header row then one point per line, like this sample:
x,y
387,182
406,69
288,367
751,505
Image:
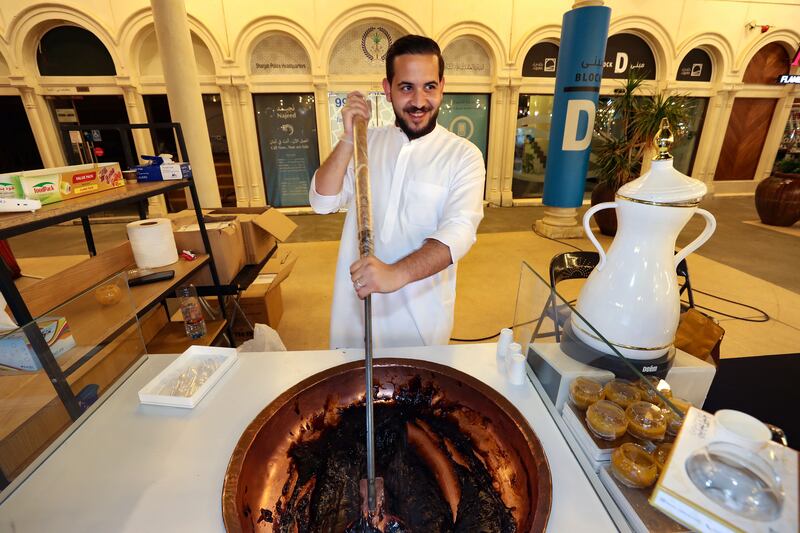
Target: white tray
x,y
154,392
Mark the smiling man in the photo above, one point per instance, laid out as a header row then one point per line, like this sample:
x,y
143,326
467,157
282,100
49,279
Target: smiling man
x,y
427,191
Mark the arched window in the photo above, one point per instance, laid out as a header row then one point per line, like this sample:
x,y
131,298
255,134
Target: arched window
x,y
73,51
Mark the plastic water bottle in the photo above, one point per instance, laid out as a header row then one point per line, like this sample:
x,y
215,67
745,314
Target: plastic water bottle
x,y
192,313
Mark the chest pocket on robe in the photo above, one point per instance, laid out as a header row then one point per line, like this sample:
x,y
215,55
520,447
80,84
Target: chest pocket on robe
x,y
424,204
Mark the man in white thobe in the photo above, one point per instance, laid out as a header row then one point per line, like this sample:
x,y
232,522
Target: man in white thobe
x,y
427,191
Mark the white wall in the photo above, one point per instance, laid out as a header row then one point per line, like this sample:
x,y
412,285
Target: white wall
x,y
224,32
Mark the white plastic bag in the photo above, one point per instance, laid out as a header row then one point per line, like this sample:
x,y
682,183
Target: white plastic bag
x,y
265,339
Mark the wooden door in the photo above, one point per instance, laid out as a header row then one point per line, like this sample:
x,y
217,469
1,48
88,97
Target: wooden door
x,y
744,139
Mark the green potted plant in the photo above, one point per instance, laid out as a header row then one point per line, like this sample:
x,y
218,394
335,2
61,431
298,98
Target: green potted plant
x,y
624,132
778,196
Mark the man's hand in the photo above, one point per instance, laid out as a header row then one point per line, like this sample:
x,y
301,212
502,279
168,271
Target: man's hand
x,y
370,274
356,106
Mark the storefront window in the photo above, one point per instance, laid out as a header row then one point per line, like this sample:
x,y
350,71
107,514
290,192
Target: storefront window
x,y
19,146
532,140
789,148
685,148
165,142
467,115
337,100
287,138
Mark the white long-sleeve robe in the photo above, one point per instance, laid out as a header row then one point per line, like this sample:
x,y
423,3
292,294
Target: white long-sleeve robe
x,y
426,188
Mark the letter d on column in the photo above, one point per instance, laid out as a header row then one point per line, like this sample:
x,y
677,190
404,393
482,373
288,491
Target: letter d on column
x,y
571,142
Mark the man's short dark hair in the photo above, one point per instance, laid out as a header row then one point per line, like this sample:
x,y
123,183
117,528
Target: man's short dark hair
x,y
416,45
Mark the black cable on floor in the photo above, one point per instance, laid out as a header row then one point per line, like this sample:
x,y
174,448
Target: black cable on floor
x,y
476,340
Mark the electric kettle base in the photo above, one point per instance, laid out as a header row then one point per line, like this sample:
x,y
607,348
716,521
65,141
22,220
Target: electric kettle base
x,y
580,351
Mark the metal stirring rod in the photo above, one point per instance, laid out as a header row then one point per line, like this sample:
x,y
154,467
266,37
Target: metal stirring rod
x,y
366,248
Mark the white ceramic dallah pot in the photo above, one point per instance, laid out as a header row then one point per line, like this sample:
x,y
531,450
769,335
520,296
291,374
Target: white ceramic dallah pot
x,y
632,296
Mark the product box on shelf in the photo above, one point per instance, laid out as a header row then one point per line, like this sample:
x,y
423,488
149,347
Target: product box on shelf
x,y
16,351
162,168
8,186
711,483
225,237
51,185
262,229
262,302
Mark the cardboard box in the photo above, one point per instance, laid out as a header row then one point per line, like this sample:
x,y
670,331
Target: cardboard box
x,y
225,237
262,302
9,186
53,185
163,172
262,229
16,351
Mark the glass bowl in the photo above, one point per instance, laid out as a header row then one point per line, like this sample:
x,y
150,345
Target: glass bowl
x,y
738,479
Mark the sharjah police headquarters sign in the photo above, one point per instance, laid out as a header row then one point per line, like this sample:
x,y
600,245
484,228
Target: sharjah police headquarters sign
x,y
580,69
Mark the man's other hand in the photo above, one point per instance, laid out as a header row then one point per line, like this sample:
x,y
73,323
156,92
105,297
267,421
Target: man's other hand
x,y
370,275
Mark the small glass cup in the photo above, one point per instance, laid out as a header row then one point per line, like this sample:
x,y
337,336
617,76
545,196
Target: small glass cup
x,y
622,392
633,466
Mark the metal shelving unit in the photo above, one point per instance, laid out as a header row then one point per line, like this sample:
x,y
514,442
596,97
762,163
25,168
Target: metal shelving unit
x,y
14,224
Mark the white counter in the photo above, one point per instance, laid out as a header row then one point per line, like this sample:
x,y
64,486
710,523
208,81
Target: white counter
x,y
138,468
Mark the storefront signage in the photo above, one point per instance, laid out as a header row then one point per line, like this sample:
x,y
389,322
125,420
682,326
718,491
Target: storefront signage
x,y
541,61
791,79
467,115
287,132
466,57
696,66
279,54
375,44
66,115
625,52
580,68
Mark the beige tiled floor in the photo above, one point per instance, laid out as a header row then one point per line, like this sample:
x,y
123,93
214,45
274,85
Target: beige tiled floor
x,y
488,279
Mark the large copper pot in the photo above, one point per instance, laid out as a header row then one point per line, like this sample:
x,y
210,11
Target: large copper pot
x,y
259,465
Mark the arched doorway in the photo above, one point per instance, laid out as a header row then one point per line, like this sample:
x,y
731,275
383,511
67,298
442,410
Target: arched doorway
x,y
751,118
75,53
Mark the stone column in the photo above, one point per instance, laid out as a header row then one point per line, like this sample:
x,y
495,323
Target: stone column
x,y
722,107
509,143
134,104
47,137
254,180
236,147
184,95
495,153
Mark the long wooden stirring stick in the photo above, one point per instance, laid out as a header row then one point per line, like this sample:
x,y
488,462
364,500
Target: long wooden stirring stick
x,y
366,247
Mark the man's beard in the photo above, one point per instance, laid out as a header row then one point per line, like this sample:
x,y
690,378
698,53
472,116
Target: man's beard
x,y
411,133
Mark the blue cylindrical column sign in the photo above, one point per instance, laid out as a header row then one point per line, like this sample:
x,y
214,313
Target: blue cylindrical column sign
x,y
581,53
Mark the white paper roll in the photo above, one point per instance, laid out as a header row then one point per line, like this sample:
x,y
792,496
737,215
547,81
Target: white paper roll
x,y
152,242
